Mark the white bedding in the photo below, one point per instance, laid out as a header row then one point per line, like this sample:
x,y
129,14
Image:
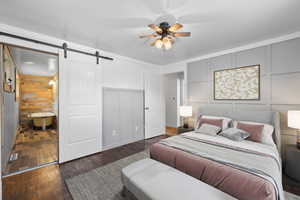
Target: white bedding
x,y
245,144
258,159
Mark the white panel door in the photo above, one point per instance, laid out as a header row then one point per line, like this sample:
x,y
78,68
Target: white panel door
x,y
153,105
80,100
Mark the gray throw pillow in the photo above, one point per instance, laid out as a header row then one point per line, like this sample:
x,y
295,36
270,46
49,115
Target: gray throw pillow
x,y
235,134
209,129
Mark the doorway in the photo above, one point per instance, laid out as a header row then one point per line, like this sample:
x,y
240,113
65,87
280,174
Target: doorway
x,y
29,109
173,87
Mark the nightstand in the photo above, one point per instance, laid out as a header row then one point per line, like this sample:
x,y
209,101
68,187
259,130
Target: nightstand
x,y
184,130
292,165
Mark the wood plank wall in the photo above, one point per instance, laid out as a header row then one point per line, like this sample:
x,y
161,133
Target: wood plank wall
x,y
36,94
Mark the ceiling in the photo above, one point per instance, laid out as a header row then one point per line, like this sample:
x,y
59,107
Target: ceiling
x,y
115,25
33,62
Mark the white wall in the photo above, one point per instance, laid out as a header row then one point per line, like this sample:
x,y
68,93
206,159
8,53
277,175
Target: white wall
x,y
125,72
122,72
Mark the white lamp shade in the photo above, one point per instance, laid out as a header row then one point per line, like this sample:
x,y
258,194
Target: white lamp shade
x,y
186,111
159,43
294,119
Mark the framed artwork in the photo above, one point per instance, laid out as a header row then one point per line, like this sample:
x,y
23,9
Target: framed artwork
x,y
242,83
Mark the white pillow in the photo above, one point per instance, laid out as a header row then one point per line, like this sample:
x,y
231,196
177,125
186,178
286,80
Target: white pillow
x,y
208,129
226,121
268,130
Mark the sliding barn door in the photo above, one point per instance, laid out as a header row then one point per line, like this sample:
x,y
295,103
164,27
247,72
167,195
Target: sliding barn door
x,y
80,123
153,105
2,163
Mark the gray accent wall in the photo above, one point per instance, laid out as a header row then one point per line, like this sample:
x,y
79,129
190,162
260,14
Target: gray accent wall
x,y
280,81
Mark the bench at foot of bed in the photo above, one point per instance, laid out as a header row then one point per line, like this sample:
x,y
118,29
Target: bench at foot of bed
x,y
149,179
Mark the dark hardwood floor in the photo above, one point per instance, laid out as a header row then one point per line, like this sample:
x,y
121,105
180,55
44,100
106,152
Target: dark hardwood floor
x,y
290,185
48,183
34,148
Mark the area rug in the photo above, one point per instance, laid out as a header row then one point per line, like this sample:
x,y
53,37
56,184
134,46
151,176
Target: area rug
x,y
289,196
104,183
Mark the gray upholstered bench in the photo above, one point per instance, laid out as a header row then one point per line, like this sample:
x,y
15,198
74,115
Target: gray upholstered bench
x,y
151,180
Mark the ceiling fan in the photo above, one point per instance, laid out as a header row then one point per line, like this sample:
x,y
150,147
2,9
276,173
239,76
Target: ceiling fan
x,y
166,34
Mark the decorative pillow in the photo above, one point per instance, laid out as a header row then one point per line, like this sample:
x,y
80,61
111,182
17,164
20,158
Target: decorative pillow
x,y
256,131
208,129
225,123
235,134
214,122
268,130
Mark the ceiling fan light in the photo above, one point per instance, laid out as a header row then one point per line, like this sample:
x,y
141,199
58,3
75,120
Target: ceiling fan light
x,y
167,43
159,43
168,46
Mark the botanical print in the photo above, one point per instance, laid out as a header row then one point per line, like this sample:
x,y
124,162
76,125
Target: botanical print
x,y
237,84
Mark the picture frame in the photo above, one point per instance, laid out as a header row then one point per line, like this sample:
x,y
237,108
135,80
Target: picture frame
x,y
237,84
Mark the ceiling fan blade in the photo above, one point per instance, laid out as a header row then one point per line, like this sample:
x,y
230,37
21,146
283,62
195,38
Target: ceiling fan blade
x,y
153,43
171,39
154,27
182,34
148,36
175,27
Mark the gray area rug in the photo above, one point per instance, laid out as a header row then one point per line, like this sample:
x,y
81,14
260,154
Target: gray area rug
x,y
104,183
289,196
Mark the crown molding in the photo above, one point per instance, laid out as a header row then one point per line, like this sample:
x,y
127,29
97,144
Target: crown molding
x,y
243,48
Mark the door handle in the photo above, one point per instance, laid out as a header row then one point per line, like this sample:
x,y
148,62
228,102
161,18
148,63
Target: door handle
x,y
146,108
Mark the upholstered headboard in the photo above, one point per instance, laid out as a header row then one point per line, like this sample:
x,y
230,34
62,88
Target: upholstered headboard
x,y
268,117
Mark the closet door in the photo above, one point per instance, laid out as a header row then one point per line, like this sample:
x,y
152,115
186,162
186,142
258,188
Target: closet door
x,y
138,115
126,116
123,117
111,118
131,116
79,106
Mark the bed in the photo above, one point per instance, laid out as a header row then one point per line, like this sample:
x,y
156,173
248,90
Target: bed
x,y
246,170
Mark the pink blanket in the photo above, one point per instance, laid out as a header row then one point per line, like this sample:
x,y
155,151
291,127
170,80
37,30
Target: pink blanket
x,y
237,183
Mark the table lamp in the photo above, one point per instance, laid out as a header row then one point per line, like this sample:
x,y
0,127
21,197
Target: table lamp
x,y
185,112
294,122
